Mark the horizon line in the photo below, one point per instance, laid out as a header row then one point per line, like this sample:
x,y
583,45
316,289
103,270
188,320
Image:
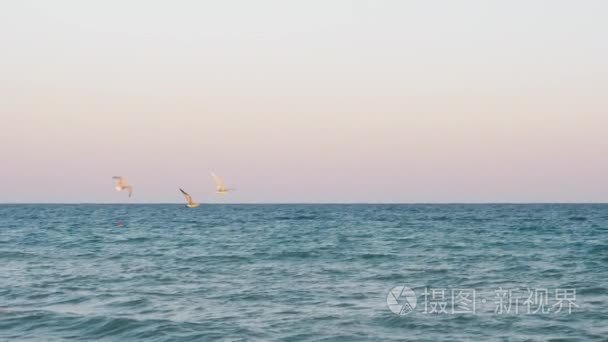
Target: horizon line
x,y
293,203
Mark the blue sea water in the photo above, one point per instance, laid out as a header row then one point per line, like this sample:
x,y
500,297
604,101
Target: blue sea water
x,y
300,272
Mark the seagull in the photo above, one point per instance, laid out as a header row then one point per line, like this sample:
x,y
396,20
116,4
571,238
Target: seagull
x,y
191,203
122,185
219,185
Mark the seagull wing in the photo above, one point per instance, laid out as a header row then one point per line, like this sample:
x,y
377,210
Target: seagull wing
x,y
187,196
121,181
218,182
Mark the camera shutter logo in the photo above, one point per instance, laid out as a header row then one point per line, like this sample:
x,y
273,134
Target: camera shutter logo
x,y
401,300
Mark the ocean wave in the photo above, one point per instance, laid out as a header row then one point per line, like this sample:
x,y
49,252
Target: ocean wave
x,y
292,272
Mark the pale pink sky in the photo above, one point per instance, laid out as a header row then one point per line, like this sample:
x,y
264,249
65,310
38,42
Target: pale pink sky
x,y
311,101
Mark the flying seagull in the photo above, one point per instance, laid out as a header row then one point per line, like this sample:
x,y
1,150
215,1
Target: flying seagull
x,y
122,185
191,203
219,185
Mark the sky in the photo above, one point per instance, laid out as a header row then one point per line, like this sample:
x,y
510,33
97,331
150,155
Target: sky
x,y
304,101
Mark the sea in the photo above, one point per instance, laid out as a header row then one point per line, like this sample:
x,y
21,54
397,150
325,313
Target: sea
x,y
304,272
